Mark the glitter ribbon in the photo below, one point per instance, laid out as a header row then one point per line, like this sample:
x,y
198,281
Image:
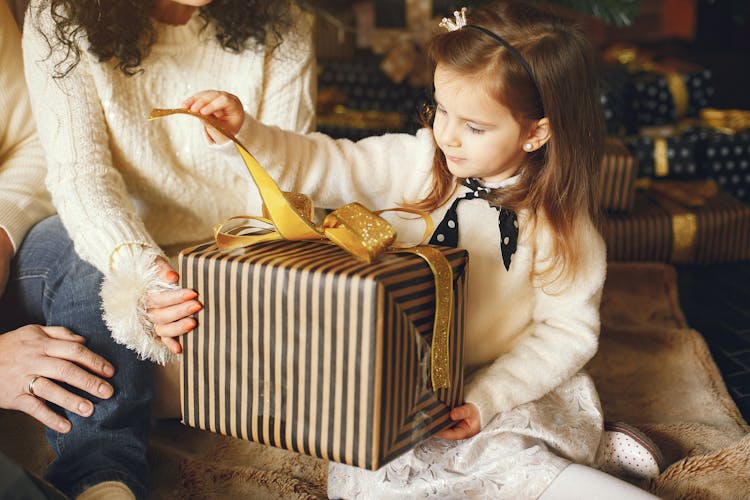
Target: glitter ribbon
x,y
362,233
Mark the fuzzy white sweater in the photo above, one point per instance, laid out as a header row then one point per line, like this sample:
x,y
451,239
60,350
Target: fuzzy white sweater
x,y
127,189
522,340
23,198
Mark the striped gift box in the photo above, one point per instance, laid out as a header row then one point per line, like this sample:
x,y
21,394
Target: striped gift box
x,y
302,347
617,179
659,229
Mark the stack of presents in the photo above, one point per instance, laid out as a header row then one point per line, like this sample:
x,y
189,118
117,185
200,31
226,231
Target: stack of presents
x,y
675,182
354,354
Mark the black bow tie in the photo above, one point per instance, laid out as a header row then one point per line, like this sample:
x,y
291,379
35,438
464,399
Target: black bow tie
x,y
446,233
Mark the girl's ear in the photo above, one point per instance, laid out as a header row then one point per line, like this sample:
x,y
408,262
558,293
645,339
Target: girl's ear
x,y
538,135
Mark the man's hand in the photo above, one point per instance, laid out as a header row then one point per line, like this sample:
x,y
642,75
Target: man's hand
x,y
35,358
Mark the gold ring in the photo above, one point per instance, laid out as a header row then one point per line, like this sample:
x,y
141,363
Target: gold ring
x,y
30,388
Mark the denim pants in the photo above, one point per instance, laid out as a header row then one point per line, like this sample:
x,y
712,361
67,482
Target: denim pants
x,y
50,285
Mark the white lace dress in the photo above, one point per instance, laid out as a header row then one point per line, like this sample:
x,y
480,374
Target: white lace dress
x,y
515,456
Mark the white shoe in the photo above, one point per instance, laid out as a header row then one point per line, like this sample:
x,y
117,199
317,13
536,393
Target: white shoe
x,y
626,452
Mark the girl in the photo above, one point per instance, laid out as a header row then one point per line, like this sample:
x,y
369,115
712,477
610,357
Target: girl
x,y
129,194
509,169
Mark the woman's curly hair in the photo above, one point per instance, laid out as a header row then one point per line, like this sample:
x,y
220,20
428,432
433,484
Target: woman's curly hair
x,y
123,29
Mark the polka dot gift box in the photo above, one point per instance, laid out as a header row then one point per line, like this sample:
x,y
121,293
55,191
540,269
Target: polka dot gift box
x,y
725,158
663,154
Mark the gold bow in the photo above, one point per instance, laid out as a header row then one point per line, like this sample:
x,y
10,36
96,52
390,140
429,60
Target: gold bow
x,y
360,232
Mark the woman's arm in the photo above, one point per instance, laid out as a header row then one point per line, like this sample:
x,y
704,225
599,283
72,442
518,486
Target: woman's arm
x,y
94,203
87,190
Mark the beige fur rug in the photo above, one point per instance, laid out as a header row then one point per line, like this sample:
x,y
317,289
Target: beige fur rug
x,y
652,371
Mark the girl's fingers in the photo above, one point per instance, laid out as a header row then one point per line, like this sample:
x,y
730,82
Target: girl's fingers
x,y
170,298
201,99
459,431
175,329
170,314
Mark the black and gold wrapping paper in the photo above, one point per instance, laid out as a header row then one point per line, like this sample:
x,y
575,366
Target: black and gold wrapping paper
x,y
661,229
725,157
617,182
666,93
302,347
671,156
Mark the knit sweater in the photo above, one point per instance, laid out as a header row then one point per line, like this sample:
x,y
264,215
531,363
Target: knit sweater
x,y
23,198
522,339
126,188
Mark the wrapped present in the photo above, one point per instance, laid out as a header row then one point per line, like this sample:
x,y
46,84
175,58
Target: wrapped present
x,y
681,222
302,347
666,152
334,341
659,92
724,154
367,100
665,95
618,174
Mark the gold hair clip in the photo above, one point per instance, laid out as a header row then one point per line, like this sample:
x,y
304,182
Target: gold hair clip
x,y
458,24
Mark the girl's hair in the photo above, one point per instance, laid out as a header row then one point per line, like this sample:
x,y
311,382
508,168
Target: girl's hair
x,y
559,181
124,31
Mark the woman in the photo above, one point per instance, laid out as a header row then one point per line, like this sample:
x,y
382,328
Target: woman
x,y
95,68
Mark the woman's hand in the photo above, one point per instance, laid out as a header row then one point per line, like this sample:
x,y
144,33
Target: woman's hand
x,y
171,311
223,106
468,421
33,358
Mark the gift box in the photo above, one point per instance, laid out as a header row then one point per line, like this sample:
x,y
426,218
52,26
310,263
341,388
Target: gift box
x,y
302,347
725,158
666,153
669,224
666,93
617,181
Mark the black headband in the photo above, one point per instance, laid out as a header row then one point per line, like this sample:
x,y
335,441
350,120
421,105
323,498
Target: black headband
x,y
515,54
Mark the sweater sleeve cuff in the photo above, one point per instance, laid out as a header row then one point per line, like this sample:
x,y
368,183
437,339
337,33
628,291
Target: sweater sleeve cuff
x,y
485,402
17,223
124,290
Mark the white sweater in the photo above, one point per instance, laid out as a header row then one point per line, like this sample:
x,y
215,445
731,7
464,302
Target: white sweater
x,y
521,342
23,198
126,188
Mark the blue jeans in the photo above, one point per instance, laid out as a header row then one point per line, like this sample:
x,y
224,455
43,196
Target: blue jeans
x,y
51,285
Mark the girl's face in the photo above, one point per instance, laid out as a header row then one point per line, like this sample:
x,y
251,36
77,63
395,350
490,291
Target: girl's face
x,y
478,135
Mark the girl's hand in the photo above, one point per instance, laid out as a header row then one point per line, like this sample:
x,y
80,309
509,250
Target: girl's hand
x,y
467,418
223,106
171,311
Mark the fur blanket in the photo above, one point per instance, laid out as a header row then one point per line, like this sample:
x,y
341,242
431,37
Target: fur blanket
x,y
651,370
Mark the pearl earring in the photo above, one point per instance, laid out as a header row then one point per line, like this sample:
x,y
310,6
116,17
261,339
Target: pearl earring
x,y
528,146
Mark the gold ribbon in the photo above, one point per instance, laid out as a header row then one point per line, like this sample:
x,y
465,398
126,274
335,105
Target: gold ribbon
x,y
661,158
360,232
684,234
728,121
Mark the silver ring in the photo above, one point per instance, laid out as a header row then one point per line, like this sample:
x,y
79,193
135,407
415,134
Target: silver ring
x,y
30,387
